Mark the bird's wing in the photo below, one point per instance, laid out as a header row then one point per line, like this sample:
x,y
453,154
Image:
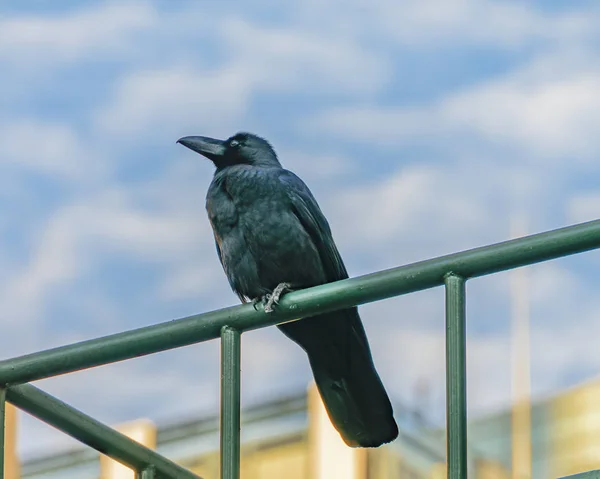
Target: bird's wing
x,y
312,219
307,210
243,298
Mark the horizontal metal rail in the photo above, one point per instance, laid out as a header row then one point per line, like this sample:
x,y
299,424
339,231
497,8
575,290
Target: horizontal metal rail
x,y
94,434
349,292
451,270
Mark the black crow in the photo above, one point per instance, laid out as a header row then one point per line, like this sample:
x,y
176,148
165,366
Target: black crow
x,y
271,236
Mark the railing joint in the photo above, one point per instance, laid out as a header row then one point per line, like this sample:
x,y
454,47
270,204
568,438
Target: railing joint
x,y
226,328
452,274
148,472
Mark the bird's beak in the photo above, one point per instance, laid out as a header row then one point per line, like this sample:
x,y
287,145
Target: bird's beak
x,y
209,147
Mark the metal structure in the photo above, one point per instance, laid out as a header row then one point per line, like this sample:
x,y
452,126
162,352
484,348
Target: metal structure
x,y
451,271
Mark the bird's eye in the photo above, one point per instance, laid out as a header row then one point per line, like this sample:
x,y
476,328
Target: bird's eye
x,y
234,143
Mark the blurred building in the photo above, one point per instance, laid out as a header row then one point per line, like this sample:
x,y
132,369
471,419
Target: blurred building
x,y
290,437
565,434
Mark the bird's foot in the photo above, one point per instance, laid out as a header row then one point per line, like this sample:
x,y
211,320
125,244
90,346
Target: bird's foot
x,y
273,298
258,300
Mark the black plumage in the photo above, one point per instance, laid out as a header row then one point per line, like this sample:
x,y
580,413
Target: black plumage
x,y
269,230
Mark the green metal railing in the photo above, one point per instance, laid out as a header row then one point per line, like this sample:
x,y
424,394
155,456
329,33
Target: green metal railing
x,y
585,475
451,271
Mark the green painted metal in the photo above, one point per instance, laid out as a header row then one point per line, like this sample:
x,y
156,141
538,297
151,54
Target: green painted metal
x,y
451,270
307,302
456,376
585,475
148,473
92,433
2,428
230,402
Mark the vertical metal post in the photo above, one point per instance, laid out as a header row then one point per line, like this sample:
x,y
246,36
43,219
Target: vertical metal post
x,y
2,429
230,403
456,377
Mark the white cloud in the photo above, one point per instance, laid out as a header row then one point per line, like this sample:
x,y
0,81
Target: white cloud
x,y
318,166
430,22
54,261
171,101
388,207
422,210
548,109
499,23
184,96
584,206
285,59
34,39
550,118
53,149
158,222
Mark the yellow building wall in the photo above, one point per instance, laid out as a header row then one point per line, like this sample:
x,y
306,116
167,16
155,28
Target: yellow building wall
x,y
438,471
484,469
206,466
488,469
289,461
280,461
141,430
382,463
575,426
11,460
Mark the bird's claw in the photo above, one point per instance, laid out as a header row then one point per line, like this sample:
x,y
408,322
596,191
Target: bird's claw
x,y
272,299
256,301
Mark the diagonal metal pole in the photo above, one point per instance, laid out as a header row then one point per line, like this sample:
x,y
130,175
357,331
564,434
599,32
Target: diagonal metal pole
x,y
93,433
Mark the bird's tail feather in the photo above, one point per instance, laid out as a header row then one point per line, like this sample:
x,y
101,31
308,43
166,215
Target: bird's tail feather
x,y
347,380
356,403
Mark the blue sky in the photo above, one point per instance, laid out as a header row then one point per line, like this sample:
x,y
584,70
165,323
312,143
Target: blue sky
x,y
421,127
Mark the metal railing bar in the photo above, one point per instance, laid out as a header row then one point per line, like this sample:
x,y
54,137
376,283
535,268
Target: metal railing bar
x,y
341,294
230,403
456,377
93,433
585,475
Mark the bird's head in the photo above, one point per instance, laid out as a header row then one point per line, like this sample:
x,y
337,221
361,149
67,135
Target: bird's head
x,y
241,148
